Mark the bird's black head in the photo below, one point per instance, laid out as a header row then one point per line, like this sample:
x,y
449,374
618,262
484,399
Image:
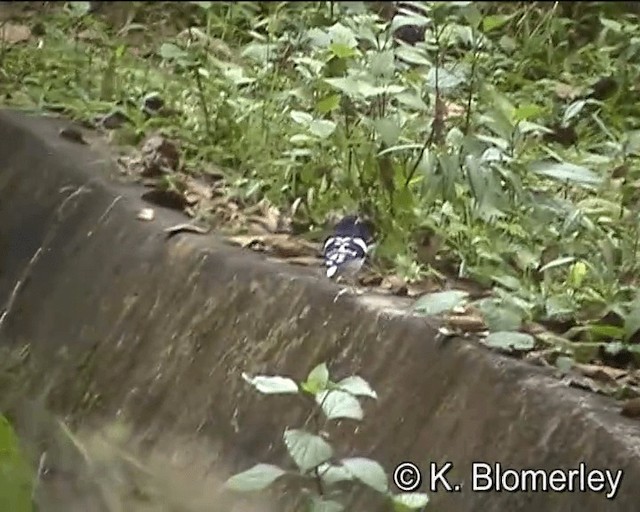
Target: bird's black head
x,y
352,225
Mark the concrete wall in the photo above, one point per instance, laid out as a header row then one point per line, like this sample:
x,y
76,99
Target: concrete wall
x,y
159,330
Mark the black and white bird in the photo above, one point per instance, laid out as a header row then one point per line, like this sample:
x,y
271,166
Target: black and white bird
x,y
345,251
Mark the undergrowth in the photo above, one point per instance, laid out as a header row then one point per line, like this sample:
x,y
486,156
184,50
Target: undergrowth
x,y
500,145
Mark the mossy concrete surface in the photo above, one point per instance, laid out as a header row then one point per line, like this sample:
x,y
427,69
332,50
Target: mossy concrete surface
x,y
131,324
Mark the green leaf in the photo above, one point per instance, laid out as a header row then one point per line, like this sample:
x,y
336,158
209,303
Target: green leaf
x,y
510,341
357,386
342,51
301,117
446,79
319,504
257,478
409,501
346,85
322,128
566,172
307,450
332,474
577,273
368,471
170,51
388,129
270,385
500,317
204,5
382,64
339,404
317,379
558,262
564,363
573,110
439,302
525,112
78,9
16,476
342,35
495,21
328,104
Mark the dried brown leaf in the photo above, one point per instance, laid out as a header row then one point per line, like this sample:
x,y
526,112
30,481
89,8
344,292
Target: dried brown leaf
x,y
395,285
466,322
631,408
566,91
283,246
600,373
160,155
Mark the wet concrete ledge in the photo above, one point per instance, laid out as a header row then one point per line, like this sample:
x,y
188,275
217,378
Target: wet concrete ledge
x,y
160,330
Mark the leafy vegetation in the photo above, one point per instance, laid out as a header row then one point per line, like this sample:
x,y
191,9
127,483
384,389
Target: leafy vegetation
x,y
16,476
317,465
491,143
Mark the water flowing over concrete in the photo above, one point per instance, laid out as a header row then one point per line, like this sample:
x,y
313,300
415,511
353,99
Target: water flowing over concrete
x,y
131,324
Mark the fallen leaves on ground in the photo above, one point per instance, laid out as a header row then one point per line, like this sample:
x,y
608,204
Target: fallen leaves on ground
x,y
281,245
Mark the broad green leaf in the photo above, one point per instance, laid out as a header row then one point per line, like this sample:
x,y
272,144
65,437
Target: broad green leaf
x,y
319,504
301,117
270,385
510,340
382,64
307,450
566,172
409,501
446,79
203,5
439,302
342,35
357,386
322,128
388,129
342,51
328,104
332,474
346,85
317,380
339,404
257,478
577,273
611,24
500,317
368,471
564,363
494,21
16,476
412,100
170,51
525,112
79,9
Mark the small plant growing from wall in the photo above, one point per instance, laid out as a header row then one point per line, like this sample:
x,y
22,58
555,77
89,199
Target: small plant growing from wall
x,y
314,457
